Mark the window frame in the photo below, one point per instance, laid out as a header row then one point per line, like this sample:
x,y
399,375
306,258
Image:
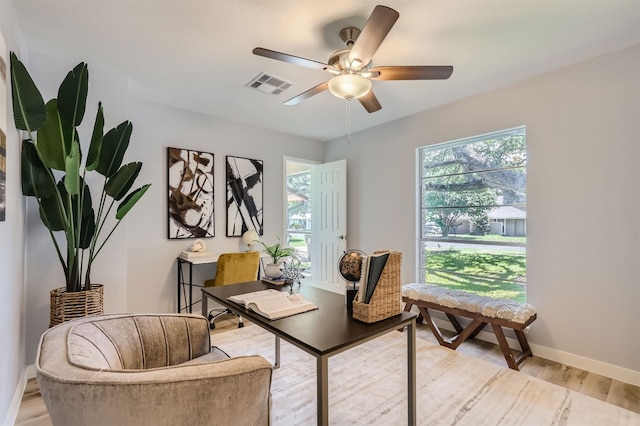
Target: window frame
x,y
421,204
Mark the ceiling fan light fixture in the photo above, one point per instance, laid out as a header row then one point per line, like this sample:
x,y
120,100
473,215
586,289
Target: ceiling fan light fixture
x,y
349,86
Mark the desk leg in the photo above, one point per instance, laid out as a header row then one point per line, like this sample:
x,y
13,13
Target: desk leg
x,y
323,390
205,305
190,310
411,372
179,280
277,364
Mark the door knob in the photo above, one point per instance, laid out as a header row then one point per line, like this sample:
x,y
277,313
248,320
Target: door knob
x,y
343,237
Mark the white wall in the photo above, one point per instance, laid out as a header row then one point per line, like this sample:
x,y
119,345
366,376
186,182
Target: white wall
x,y
152,266
583,208
12,244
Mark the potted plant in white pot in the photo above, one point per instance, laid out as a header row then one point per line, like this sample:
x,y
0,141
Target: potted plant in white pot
x,y
277,253
54,172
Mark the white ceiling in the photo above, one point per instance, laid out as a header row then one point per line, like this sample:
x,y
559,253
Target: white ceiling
x,y
196,55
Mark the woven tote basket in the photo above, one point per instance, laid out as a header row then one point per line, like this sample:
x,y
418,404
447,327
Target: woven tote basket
x,y
65,306
385,301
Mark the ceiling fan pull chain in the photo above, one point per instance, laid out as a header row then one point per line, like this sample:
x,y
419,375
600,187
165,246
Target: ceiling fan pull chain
x,y
348,125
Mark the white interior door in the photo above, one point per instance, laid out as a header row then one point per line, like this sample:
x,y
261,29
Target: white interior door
x,y
329,230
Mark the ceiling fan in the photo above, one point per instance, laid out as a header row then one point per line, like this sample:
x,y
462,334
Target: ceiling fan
x,y
352,67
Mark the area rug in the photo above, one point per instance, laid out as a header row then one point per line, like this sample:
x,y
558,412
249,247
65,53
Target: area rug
x,y
368,386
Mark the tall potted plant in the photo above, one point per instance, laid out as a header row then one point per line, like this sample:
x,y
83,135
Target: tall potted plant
x,y
54,172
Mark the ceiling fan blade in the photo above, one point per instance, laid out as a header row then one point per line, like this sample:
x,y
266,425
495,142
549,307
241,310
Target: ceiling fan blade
x,y
309,93
435,72
284,57
370,102
375,30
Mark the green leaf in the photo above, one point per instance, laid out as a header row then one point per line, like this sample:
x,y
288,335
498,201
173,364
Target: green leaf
x,y
72,170
28,107
114,145
119,184
51,214
87,203
88,228
55,138
72,94
131,201
88,222
36,182
93,156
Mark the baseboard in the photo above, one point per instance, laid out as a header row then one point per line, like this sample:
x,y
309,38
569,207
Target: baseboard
x,y
594,366
577,361
14,407
31,371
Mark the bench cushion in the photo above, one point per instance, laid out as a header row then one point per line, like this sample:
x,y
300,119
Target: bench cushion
x,y
506,309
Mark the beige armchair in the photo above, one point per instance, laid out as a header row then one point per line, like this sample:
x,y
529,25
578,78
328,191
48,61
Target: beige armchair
x,y
148,369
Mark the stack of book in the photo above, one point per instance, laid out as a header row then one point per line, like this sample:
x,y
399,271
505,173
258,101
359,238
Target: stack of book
x,y
198,256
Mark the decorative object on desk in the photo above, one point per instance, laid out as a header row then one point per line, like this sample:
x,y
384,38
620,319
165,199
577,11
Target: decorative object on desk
x,y
250,238
198,245
51,147
244,196
350,265
276,252
197,250
273,270
350,269
378,299
292,270
191,194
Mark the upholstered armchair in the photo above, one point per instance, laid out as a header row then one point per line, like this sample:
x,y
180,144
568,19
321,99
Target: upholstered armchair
x,y
148,369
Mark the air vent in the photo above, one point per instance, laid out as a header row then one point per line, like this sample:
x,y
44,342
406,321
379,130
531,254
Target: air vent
x,y
269,84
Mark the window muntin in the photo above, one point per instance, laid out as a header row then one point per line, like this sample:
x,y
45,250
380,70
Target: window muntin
x,y
472,215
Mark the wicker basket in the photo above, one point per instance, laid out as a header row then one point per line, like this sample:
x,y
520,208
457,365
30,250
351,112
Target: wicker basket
x,y
65,306
385,301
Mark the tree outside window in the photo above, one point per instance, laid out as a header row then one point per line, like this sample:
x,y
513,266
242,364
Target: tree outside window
x,y
473,214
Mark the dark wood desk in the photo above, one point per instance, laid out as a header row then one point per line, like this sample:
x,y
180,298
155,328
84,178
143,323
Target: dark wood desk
x,y
322,333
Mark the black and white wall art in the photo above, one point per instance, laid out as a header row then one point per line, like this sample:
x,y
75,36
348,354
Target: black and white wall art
x,y
3,128
191,195
244,196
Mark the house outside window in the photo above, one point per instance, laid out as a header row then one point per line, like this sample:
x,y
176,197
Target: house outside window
x,y
473,214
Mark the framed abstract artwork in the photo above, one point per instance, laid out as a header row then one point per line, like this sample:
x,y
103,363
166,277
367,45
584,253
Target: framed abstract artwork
x,y
244,196
191,195
3,129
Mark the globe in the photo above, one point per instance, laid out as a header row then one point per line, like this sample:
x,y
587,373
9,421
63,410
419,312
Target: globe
x,y
350,265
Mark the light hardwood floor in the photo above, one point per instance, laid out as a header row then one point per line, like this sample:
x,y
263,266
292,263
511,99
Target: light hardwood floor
x,y
34,413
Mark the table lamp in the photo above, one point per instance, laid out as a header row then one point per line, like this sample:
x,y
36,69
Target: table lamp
x,y
250,238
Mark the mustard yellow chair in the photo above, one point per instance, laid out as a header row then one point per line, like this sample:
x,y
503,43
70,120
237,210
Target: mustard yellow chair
x,y
233,268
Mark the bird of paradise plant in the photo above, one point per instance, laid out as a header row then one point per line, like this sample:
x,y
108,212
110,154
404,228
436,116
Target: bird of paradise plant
x,y
54,174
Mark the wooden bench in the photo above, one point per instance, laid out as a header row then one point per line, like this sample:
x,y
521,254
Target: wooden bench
x,y
480,309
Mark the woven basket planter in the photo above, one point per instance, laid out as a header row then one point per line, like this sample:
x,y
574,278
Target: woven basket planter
x,y
65,306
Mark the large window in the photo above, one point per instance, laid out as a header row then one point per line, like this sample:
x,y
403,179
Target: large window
x,y
473,214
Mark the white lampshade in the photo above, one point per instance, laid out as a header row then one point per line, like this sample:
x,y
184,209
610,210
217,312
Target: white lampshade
x,y
349,86
250,238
